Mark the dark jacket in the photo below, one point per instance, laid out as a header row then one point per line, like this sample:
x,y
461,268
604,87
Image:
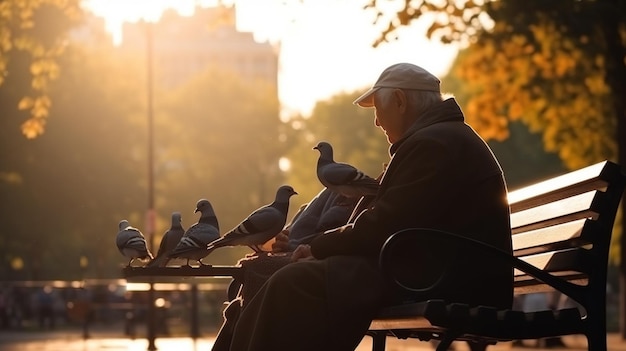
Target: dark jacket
x,y
327,210
442,175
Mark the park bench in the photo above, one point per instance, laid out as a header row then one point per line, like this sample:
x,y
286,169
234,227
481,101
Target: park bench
x,y
561,233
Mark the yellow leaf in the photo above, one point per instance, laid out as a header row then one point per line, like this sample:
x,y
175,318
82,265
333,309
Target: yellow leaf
x,y
36,67
44,100
40,111
26,103
39,83
33,127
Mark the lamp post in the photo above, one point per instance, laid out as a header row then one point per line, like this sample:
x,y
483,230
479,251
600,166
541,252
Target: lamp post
x,y
150,214
83,263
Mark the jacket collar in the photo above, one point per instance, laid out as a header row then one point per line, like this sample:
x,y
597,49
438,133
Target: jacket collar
x,y
446,111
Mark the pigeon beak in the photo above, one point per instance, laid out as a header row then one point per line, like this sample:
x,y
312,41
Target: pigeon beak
x,y
315,148
196,210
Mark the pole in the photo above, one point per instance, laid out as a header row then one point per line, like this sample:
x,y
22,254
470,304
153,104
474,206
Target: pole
x,y
151,335
195,330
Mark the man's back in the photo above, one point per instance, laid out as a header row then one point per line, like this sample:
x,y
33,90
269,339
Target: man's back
x,y
466,195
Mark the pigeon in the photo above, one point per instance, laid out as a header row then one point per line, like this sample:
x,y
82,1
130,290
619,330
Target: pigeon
x,y
342,178
169,241
260,226
193,244
132,243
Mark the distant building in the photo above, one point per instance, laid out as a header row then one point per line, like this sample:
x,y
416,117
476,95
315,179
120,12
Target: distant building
x,y
92,33
185,46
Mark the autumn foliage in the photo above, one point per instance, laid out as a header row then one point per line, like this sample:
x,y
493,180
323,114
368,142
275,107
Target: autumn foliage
x,y
557,66
546,80
31,26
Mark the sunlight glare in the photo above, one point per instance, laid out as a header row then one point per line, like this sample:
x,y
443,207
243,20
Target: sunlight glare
x,y
284,164
116,12
159,302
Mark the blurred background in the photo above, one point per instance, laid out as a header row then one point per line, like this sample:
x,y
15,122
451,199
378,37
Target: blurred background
x,y
132,110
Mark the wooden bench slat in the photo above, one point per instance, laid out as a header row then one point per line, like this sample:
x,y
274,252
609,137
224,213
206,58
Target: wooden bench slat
x,y
584,179
403,323
485,321
564,210
562,260
549,238
187,271
526,284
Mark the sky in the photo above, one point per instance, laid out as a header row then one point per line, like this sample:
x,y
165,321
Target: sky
x,y
325,45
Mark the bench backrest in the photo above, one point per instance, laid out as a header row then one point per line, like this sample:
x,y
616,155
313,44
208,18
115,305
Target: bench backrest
x,y
563,226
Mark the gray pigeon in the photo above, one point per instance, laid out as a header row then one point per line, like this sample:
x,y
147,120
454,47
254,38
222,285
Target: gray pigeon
x,y
169,241
342,178
193,244
261,225
131,242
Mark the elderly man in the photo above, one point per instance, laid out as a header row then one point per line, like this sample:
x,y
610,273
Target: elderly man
x,y
442,175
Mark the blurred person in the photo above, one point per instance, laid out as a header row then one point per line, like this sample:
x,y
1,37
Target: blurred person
x,y
20,306
46,308
4,308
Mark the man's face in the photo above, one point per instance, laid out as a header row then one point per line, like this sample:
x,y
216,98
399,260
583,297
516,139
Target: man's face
x,y
388,114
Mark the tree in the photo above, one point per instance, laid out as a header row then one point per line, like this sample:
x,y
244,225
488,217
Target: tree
x,y
37,28
67,191
557,66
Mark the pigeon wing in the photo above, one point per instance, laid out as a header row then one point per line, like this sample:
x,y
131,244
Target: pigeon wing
x,y
261,221
338,173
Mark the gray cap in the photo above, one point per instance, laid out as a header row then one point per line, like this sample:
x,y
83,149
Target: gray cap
x,y
402,76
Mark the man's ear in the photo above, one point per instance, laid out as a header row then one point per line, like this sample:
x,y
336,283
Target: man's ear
x,y
400,99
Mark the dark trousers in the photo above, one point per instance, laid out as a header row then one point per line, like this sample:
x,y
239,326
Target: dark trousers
x,y
311,305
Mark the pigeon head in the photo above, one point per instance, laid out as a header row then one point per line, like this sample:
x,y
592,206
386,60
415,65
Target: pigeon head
x,y
325,149
203,205
123,224
176,218
284,193
207,214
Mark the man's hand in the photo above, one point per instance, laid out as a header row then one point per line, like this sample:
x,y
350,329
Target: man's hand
x,y
302,252
281,242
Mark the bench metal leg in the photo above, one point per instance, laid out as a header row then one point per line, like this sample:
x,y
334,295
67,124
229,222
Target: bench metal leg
x,y
379,340
444,344
596,341
477,346
447,340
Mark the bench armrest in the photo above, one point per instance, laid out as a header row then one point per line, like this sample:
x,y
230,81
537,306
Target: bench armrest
x,y
405,253
416,259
